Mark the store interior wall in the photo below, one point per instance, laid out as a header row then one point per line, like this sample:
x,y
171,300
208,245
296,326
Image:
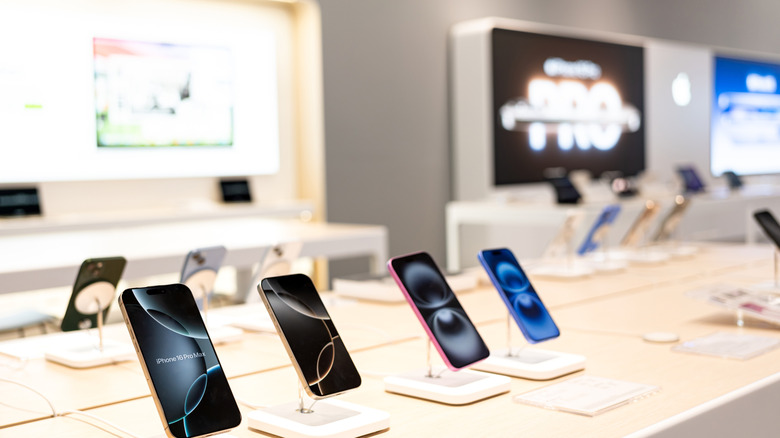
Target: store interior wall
x,y
386,92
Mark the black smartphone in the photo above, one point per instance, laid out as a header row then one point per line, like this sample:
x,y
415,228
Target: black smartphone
x,y
200,270
93,292
769,224
316,350
438,309
187,382
691,181
518,295
733,180
565,192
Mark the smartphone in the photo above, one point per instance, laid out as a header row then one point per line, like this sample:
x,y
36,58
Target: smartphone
x,y
672,219
599,230
200,270
93,292
565,192
639,228
316,350
438,309
519,295
560,244
733,180
187,382
691,181
769,224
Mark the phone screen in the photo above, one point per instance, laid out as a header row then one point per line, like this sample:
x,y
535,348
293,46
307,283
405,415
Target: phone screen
x,y
318,353
769,224
600,229
440,312
519,295
185,376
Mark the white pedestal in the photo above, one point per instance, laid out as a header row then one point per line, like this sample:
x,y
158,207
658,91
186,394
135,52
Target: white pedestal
x,y
88,355
224,334
448,387
768,287
561,271
640,256
533,364
331,418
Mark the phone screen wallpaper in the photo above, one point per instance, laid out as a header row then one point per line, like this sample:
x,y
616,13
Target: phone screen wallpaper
x,y
518,293
311,335
457,337
183,366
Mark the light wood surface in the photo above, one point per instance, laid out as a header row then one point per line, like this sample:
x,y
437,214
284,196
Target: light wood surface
x,y
597,318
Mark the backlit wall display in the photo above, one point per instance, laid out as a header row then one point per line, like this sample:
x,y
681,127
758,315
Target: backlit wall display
x,y
109,96
155,95
745,127
565,102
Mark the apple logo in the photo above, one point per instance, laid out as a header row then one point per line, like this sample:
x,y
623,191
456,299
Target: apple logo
x,y
681,89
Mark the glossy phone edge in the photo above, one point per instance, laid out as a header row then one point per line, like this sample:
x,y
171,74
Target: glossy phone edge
x,y
518,320
762,215
152,389
290,354
417,313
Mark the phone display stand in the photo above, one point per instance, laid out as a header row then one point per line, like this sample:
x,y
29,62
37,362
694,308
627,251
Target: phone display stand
x,y
604,261
325,418
445,386
530,363
558,260
771,287
643,255
89,352
200,284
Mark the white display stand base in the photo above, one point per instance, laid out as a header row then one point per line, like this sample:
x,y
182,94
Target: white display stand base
x,y
533,364
448,387
88,355
769,287
331,418
560,270
255,323
640,256
224,334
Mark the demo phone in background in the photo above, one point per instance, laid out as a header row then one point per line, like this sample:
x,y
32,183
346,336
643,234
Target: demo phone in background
x,y
598,232
769,224
692,183
443,318
639,228
93,292
671,221
317,352
733,180
200,270
518,294
565,191
185,377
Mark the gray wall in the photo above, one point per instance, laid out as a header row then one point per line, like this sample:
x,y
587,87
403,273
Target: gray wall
x,y
386,103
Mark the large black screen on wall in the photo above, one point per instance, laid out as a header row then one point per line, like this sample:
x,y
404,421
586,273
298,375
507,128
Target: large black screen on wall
x,y
565,102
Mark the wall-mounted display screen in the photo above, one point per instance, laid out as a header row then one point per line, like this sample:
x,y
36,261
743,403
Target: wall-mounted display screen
x,y
565,102
155,94
745,126
104,96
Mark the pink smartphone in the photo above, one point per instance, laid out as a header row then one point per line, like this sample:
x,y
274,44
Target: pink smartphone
x,y
438,309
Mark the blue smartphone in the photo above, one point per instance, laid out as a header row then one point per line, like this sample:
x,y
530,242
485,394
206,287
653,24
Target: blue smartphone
x,y
599,229
519,295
